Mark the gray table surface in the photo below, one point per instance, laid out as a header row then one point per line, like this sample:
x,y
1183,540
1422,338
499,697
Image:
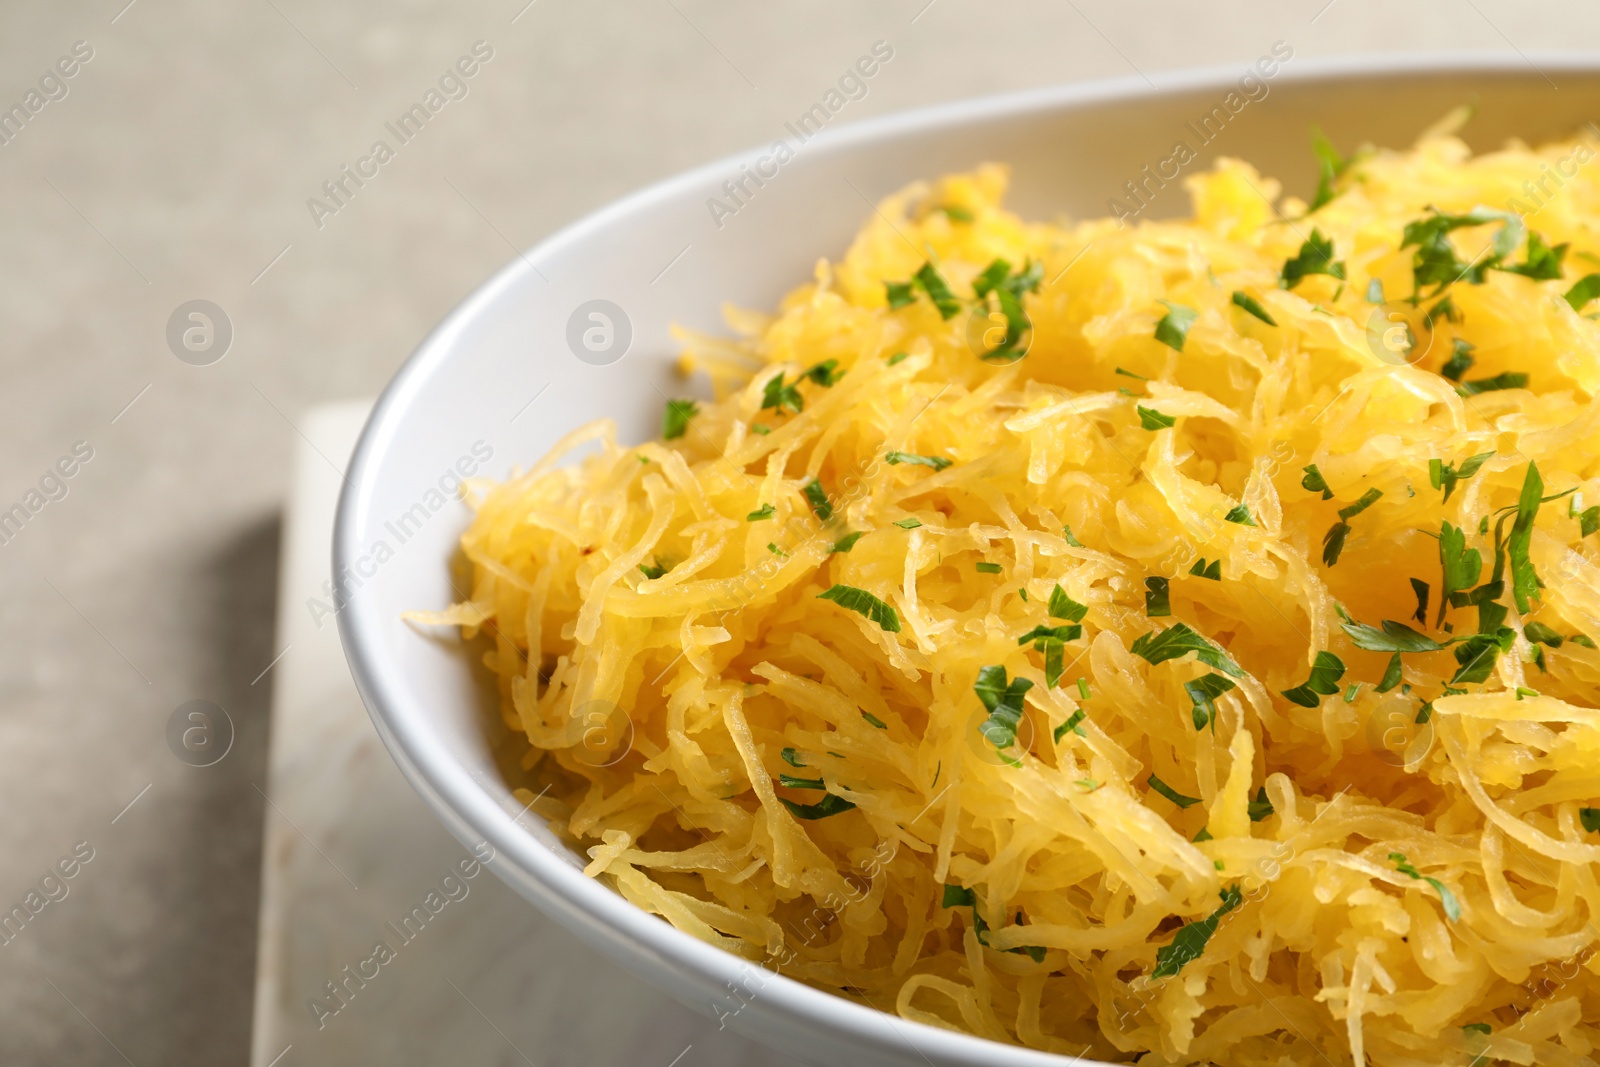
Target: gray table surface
x,y
178,166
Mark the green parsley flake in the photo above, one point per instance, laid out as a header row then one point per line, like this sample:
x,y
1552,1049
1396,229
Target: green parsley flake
x,y
1460,361
1241,515
936,462
1072,725
1315,482
825,373
1583,290
1315,257
1202,569
765,511
780,397
1452,907
873,720
1003,701
988,568
1151,419
675,420
817,497
832,804
909,524
897,357
1179,640
1170,793
1157,598
865,604
847,542
792,758
1190,942
1253,306
1324,681
1063,606
1173,329
1203,692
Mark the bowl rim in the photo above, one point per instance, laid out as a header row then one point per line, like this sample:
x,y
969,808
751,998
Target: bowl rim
x,y
592,909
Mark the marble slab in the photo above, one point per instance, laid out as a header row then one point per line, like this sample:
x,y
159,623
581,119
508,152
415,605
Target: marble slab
x,y
357,963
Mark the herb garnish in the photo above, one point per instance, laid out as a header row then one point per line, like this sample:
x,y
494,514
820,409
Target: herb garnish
x,y
1315,257
1151,419
1253,306
1190,942
1003,701
1179,640
863,603
1170,793
1442,475
1452,907
936,462
1173,329
765,511
817,497
1157,601
1324,681
1202,569
780,397
1203,692
675,420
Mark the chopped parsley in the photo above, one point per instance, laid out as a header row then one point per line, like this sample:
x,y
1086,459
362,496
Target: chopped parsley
x,y
780,397
1324,681
1392,637
909,524
955,213
1524,580
792,758
1452,907
1157,598
984,567
1260,808
772,547
900,294
873,720
1420,587
865,604
1240,514
1503,380
1442,475
1007,290
1435,261
1391,675
1203,692
825,373
1541,262
1170,793
1333,540
1190,942
1476,655
1542,634
1003,701
832,804
1066,534
817,497
897,357
1589,521
847,542
1590,819
675,420
1459,564
1330,166
1173,329
1315,257
1460,361
936,462
1253,306
655,570
1063,606
929,281
1073,725
801,783
1202,569
1151,419
757,428
1583,290
1315,482
765,511
1179,640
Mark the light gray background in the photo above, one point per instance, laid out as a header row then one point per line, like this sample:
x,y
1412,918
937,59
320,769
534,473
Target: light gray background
x,y
177,168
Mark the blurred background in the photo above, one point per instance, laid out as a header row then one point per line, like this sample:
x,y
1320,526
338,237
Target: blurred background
x,y
177,162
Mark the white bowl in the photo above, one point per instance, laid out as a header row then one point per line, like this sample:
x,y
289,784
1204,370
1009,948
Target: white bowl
x,y
662,257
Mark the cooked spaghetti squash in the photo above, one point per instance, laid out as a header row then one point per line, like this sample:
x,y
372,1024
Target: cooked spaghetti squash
x,y
1170,642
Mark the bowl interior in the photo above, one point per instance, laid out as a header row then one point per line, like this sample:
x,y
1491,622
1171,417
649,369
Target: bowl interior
x,y
512,370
